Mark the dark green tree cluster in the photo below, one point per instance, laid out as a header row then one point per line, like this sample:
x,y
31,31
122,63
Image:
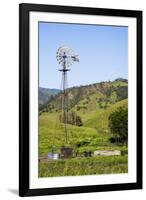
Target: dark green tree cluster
x,y
120,91
71,118
118,124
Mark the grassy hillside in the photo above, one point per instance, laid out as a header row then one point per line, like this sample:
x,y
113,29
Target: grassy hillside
x,y
94,132
93,96
93,103
99,120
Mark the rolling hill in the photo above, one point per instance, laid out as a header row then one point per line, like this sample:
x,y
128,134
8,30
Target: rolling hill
x,y
46,94
92,97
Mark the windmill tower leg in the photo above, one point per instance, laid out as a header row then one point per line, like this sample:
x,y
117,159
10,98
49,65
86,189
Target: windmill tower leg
x,y
65,104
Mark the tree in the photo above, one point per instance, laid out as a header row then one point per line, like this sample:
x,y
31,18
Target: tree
x,y
118,124
79,121
72,118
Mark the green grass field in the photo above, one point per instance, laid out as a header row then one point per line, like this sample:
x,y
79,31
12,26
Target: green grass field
x,y
93,135
84,166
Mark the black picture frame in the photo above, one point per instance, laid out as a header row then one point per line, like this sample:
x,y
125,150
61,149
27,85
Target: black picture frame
x,y
24,107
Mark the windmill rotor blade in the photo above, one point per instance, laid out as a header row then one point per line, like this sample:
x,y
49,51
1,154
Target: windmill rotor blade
x,y
66,54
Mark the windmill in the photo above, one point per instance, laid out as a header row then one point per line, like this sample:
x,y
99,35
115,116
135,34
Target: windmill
x,y
66,57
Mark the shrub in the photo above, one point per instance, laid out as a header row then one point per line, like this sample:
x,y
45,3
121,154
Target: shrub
x,y
112,140
118,124
124,152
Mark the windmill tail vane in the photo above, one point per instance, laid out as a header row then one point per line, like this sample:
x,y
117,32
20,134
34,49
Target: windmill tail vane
x,y
75,58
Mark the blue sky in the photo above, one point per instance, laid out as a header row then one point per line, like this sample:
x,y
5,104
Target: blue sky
x,y
103,53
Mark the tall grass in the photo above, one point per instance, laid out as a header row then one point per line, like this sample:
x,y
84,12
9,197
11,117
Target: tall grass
x,y
84,166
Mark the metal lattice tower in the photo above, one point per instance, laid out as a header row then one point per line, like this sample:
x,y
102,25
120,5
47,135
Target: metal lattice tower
x,y
66,57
